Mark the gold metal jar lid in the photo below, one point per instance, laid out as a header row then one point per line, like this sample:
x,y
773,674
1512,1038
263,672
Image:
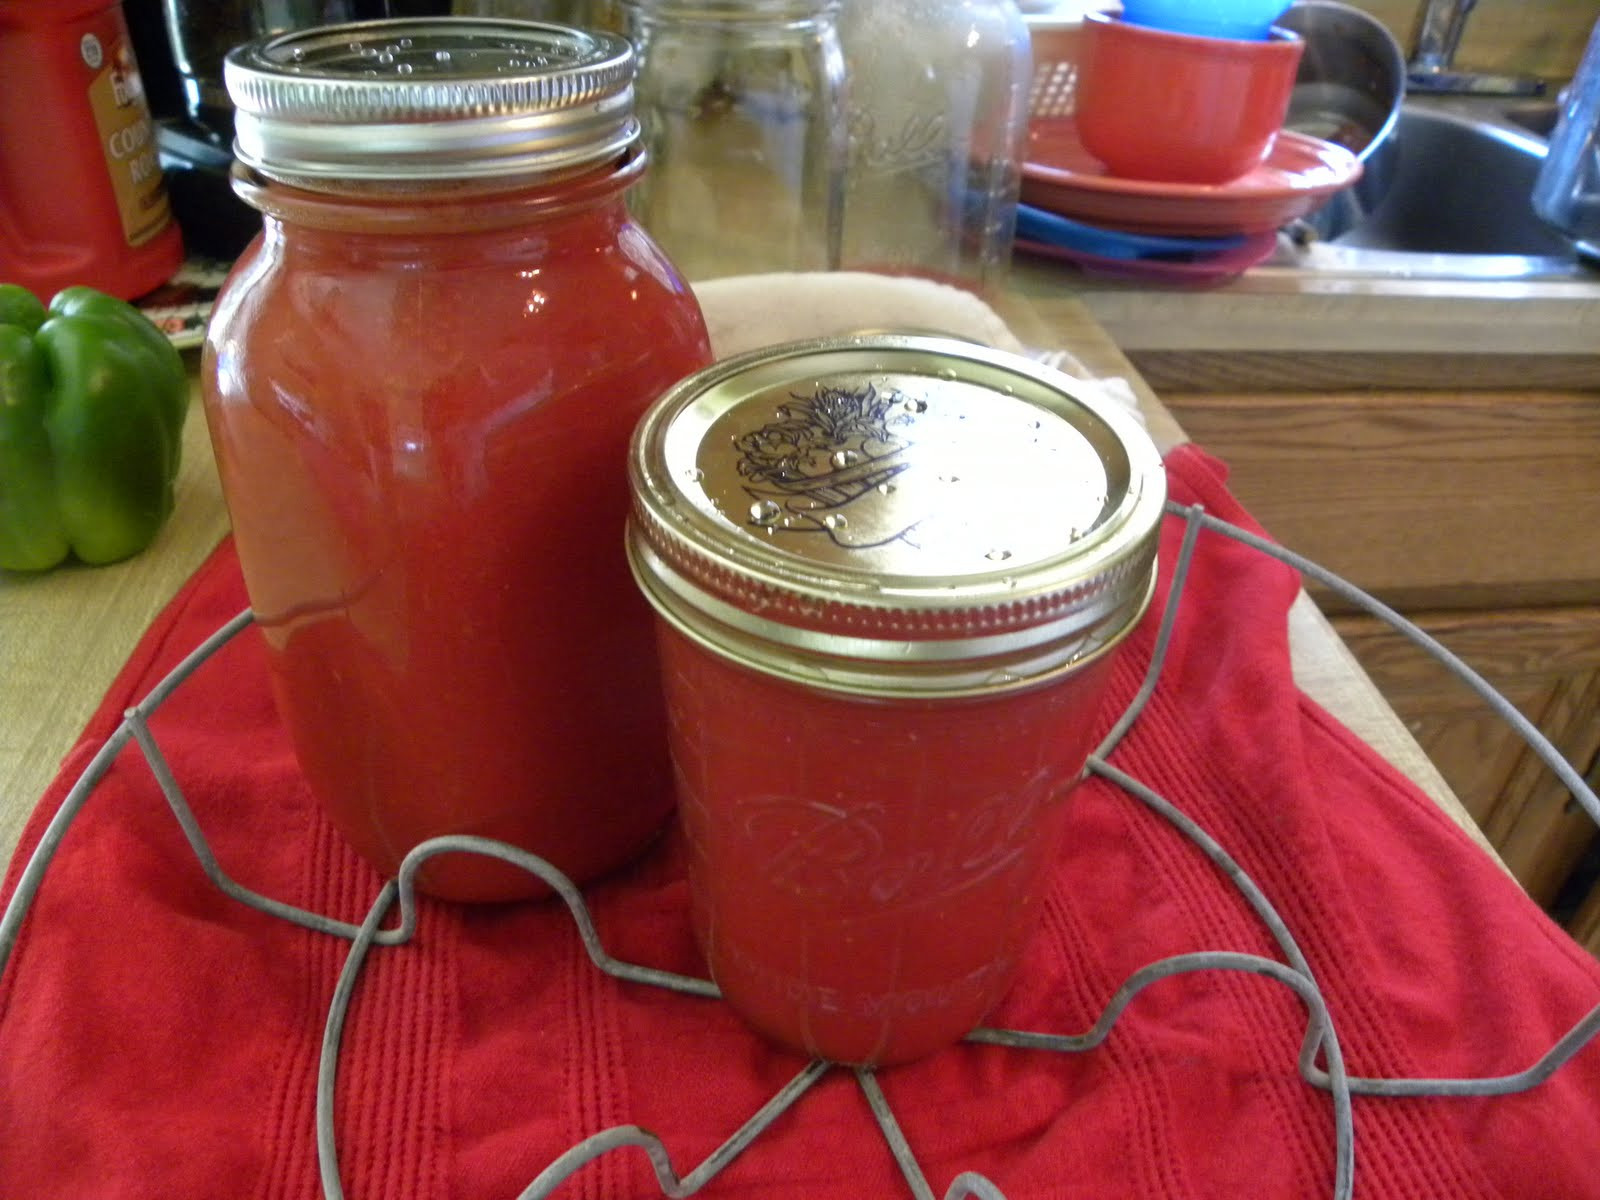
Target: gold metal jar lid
x,y
425,98
895,515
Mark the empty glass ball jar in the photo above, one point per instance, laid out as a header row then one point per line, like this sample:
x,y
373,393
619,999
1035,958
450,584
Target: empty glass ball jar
x,y
743,114
937,114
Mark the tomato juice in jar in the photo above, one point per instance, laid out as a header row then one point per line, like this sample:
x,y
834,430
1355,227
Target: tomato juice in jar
x,y
420,382
890,574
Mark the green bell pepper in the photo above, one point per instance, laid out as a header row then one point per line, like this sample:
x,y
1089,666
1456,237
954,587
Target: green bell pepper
x,y
92,400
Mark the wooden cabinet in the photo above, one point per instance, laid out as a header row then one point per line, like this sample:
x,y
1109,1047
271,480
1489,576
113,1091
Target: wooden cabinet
x,y
1429,500
1477,515
1546,662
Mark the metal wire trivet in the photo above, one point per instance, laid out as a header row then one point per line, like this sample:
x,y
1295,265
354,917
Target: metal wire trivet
x,y
1321,1061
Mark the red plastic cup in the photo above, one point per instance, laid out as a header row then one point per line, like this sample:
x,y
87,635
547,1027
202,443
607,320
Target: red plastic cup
x,y
890,575
1173,107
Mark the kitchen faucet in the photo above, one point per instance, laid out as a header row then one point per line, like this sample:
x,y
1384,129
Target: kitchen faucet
x,y
1432,67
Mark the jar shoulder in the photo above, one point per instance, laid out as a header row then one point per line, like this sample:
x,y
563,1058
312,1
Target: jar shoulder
x,y
409,295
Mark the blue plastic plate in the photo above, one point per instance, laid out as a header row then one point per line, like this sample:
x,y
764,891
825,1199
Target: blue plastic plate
x,y
1037,225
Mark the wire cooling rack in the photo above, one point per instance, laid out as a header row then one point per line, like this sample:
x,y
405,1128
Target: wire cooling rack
x,y
1321,1061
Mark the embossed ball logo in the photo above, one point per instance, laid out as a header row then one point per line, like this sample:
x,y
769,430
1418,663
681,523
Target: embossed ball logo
x,y
862,858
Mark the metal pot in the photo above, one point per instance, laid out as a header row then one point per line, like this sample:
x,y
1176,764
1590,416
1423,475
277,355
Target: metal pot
x,y
1349,89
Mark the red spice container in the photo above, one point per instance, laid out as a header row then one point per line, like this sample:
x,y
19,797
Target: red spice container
x,y
82,200
890,574
420,383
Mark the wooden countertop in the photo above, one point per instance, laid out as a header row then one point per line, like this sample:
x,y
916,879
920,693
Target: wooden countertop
x,y
1286,329
66,633
1272,308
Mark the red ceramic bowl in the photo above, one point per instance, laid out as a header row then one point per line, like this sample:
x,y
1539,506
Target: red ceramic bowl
x,y
1178,108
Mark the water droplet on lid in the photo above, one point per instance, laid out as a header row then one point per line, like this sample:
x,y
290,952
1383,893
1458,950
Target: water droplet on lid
x,y
949,479
885,488
915,404
405,43
845,458
834,521
441,55
947,374
694,474
298,54
386,58
765,512
998,555
403,69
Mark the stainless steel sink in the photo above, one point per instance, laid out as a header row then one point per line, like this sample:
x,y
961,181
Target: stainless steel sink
x,y
1536,117
1449,196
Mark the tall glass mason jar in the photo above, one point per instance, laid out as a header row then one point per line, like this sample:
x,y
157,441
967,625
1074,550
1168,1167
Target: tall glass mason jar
x,y
937,115
742,103
420,382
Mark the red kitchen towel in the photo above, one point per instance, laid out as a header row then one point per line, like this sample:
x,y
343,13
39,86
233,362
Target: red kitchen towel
x,y
159,1040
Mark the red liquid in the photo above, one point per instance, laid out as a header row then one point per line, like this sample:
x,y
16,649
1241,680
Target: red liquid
x,y
866,873
421,416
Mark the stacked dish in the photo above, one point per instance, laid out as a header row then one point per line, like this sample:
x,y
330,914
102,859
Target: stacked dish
x,y
1123,254
1177,135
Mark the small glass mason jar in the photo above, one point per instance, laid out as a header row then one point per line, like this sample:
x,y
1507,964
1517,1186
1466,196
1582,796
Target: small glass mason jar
x,y
742,104
890,573
420,383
